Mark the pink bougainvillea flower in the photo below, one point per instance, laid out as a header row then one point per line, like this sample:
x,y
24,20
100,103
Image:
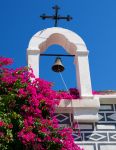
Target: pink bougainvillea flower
x,y
5,61
29,105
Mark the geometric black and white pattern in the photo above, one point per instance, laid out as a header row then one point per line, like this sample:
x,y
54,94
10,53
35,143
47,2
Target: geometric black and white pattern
x,y
106,107
63,118
111,116
112,136
101,117
106,126
94,136
77,137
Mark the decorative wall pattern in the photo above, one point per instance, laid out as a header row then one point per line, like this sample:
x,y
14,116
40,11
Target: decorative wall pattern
x,y
95,136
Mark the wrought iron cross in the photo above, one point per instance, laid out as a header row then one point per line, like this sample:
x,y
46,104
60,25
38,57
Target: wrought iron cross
x,y
56,17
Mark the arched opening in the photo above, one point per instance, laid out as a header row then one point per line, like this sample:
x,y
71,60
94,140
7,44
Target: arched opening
x,y
68,75
73,44
58,39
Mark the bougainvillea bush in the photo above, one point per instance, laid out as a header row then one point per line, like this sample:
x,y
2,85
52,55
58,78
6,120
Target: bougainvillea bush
x,y
27,106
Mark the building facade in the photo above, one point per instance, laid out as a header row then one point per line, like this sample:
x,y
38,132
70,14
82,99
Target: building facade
x,y
95,114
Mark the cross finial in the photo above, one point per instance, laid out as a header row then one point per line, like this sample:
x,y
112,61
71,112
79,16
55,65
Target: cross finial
x,y
56,17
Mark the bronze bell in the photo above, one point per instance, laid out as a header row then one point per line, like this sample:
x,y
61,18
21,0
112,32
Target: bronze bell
x,y
58,66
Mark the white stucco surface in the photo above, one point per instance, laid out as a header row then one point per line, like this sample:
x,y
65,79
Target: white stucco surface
x,y
64,37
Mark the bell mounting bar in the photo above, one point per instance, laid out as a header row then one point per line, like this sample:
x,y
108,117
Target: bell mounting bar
x,y
57,55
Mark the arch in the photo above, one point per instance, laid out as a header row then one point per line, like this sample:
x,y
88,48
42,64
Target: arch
x,y
72,43
64,37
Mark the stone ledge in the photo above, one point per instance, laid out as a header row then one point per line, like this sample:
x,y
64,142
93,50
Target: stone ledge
x,y
77,103
84,110
107,99
86,115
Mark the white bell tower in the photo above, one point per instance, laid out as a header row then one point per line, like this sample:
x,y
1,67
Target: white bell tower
x,y
86,109
73,44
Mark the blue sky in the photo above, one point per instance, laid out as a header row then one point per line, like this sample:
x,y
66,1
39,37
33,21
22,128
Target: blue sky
x,y
93,20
